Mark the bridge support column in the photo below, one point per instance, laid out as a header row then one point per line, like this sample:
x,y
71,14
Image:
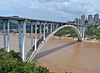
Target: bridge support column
x,y
40,31
47,28
35,37
83,32
8,37
20,38
44,32
51,28
4,33
31,35
56,25
24,42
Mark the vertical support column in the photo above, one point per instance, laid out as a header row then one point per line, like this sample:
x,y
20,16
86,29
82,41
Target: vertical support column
x,y
20,38
4,28
31,35
40,30
83,32
8,37
44,31
56,26
24,42
47,29
78,27
51,27
35,37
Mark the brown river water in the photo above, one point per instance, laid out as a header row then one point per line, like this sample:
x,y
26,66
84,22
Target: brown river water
x,y
70,55
61,55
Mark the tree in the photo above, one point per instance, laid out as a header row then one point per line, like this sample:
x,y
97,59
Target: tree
x,y
10,62
65,31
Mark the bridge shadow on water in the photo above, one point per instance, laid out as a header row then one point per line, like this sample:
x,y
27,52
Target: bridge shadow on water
x,y
47,52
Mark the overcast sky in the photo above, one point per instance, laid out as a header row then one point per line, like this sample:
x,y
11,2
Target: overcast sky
x,y
59,10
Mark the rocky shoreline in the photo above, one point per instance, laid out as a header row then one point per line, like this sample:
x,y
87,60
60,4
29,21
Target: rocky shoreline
x,y
65,37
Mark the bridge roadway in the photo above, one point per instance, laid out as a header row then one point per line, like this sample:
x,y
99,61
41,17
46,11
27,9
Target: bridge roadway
x,y
43,27
37,20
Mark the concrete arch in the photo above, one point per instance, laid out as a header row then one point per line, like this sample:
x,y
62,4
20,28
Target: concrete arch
x,y
50,35
71,26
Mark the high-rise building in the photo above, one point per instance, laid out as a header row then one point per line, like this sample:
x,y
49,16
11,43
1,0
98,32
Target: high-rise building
x,y
96,18
83,19
77,21
90,20
90,17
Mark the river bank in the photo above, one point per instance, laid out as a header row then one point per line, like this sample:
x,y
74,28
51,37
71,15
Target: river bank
x,y
65,37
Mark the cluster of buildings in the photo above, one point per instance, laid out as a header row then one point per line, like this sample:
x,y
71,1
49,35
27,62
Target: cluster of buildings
x,y
90,20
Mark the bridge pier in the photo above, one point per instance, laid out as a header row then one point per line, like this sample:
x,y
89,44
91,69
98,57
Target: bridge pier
x,y
31,35
40,30
8,36
24,42
47,28
35,41
22,39
4,33
44,31
56,26
51,28
82,31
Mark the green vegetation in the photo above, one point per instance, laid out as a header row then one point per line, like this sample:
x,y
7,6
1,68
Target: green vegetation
x,y
10,62
93,32
65,31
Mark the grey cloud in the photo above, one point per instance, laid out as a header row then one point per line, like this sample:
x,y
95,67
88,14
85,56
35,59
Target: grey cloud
x,y
62,10
53,0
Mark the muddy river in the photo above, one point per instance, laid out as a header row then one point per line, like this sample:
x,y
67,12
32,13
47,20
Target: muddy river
x,y
70,55
61,55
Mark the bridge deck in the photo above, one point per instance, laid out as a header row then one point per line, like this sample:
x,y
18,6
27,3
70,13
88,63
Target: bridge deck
x,y
32,20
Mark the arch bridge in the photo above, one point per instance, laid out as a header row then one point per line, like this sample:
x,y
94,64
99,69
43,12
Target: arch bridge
x,y
42,30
